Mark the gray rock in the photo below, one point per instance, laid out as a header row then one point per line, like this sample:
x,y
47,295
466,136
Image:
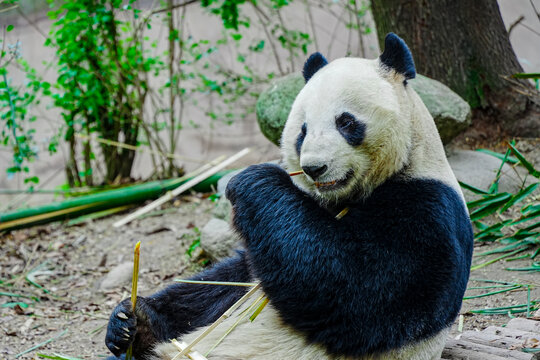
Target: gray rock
x,y
120,275
274,105
451,113
217,239
223,209
479,170
223,181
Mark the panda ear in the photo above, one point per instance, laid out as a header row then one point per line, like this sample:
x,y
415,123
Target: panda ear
x,y
315,62
397,56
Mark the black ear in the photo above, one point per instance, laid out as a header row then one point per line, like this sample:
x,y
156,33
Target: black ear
x,y
315,62
397,56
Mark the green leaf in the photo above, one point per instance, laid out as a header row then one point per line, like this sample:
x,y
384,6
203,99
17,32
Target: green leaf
x,y
490,199
520,196
473,189
9,28
486,210
13,304
530,168
526,76
499,156
33,179
56,356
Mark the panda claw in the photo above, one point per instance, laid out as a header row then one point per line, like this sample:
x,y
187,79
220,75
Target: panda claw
x,y
122,316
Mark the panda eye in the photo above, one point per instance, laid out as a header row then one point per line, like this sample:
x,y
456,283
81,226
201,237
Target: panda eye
x,y
345,121
304,129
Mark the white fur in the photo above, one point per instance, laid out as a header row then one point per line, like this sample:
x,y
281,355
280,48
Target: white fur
x,y
267,338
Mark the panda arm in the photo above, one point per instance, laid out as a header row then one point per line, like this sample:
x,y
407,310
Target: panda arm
x,y
177,309
185,307
367,283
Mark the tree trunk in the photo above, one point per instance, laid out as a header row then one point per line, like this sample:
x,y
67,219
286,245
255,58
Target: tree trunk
x,y
463,44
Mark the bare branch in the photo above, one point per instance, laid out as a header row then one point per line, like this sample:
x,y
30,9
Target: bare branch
x,y
515,23
170,8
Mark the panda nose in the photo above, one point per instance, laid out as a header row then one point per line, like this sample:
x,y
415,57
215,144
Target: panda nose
x,y
314,172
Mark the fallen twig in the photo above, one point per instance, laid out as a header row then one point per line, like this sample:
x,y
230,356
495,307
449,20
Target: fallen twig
x,y
170,195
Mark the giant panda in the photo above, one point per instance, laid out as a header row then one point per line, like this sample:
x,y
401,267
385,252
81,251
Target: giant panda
x,y
385,281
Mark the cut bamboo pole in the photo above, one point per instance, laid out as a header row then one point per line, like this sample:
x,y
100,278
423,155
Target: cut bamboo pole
x,y
225,283
170,195
193,355
103,200
225,315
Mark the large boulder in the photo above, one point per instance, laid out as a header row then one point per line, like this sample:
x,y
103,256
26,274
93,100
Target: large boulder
x,y
274,105
451,113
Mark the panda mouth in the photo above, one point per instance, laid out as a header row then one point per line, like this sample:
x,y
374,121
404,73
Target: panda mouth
x,y
334,184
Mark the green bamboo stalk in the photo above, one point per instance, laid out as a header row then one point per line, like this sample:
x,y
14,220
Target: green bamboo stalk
x,y
75,207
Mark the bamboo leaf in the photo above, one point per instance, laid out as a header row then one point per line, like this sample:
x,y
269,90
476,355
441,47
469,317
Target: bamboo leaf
x,y
479,266
527,217
526,75
520,196
504,249
530,208
530,168
491,229
486,210
499,156
472,189
56,356
490,199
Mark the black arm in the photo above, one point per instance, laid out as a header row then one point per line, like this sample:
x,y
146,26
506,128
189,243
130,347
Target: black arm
x,y
393,270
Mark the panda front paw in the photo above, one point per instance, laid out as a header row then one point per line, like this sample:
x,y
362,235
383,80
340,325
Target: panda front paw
x,y
122,328
253,179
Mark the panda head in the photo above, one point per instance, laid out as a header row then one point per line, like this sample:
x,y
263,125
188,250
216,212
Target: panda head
x,y
350,127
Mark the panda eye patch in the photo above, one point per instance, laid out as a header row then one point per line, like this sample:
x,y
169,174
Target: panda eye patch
x,y
300,139
345,120
351,129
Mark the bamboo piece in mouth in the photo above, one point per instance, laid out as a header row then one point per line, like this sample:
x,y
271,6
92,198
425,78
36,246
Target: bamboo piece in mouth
x,y
294,173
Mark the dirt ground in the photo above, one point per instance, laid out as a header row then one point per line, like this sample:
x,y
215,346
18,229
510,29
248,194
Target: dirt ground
x,y
69,263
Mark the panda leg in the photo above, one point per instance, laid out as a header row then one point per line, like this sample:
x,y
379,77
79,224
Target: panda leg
x,y
266,338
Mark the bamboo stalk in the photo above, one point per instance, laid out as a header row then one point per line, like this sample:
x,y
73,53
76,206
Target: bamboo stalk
x,y
102,200
226,283
294,173
342,213
193,355
170,195
241,317
225,315
134,281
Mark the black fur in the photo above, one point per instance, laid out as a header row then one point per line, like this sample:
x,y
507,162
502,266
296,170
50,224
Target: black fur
x,y
177,309
397,56
392,271
313,64
300,139
351,129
